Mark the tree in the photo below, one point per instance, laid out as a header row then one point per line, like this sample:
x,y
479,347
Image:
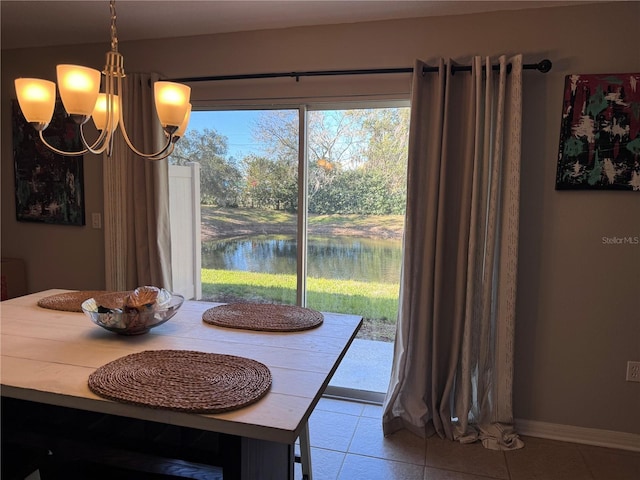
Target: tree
x,y
272,179
332,135
270,184
386,149
220,178
277,132
356,158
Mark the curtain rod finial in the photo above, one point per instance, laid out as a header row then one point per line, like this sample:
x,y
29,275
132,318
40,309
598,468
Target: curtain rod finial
x,y
544,65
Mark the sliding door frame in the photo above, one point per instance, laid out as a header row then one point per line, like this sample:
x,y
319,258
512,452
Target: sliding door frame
x,y
303,109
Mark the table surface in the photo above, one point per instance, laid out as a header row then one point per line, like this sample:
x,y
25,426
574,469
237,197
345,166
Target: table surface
x,y
48,355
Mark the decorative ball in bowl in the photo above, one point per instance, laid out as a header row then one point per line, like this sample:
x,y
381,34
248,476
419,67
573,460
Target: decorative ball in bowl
x,y
133,313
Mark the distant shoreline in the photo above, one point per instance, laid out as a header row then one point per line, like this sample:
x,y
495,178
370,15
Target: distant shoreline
x,y
226,223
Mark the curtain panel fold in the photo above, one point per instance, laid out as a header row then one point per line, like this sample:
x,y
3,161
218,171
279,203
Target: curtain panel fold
x,y
452,371
136,196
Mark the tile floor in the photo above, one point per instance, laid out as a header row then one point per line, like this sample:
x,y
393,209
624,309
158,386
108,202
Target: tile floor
x,y
347,443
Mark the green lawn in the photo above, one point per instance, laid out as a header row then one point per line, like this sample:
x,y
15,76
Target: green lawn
x,y
377,301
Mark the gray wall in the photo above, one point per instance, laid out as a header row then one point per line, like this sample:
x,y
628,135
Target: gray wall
x,y
578,300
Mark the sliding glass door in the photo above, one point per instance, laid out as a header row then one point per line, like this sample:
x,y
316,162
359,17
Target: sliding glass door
x,y
306,206
249,192
356,167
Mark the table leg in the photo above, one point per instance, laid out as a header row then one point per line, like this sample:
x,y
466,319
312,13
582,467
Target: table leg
x,y
305,453
264,460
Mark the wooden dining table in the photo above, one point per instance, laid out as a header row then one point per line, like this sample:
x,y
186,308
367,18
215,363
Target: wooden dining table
x,y
47,356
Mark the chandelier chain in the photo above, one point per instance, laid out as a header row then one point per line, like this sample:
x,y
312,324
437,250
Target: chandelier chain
x,y
114,32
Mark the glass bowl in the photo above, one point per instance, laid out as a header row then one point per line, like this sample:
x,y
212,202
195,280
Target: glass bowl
x,y
133,321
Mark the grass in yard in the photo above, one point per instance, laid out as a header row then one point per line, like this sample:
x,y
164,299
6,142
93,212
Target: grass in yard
x,y
248,216
376,302
393,222
219,223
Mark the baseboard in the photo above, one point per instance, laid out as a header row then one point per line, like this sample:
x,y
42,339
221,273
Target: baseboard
x,y
586,436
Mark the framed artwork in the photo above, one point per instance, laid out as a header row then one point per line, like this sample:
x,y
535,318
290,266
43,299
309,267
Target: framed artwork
x,y
49,187
600,133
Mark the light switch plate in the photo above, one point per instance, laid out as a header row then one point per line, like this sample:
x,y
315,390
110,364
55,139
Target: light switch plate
x,y
96,220
633,371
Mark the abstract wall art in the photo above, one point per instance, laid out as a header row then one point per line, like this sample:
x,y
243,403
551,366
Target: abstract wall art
x,y
49,187
600,133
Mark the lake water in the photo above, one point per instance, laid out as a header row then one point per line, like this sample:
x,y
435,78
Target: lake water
x,y
343,258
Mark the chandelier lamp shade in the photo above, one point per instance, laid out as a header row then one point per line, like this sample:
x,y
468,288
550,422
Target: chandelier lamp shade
x,y
79,89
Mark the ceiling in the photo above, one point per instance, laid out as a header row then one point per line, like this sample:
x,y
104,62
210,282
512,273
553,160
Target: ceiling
x,y
47,23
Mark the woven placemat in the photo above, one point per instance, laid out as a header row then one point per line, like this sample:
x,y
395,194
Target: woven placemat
x,y
72,301
264,317
182,380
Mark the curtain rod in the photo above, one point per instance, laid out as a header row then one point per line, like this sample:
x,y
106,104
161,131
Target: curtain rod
x,y
543,66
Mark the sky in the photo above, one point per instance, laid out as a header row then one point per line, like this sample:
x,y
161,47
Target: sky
x,y
235,125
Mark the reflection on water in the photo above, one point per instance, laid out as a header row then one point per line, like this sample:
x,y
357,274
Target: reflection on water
x,y
343,258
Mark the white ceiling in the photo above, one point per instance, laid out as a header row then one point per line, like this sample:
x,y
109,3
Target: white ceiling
x,y
46,23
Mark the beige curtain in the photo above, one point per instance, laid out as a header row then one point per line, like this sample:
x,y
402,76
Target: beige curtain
x,y
453,359
136,197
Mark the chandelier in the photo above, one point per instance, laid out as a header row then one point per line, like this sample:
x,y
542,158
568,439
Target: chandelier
x,y
79,90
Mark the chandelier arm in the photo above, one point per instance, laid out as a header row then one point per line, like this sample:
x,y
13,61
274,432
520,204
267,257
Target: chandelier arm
x,y
103,141
123,129
146,155
114,109
61,152
164,155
